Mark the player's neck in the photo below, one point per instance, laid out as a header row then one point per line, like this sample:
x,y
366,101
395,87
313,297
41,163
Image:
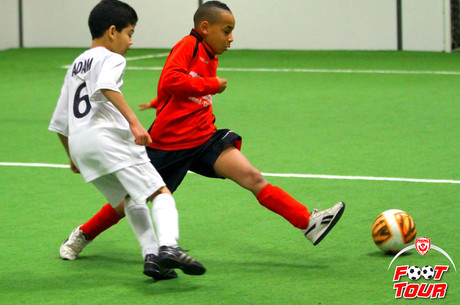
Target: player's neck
x,y
209,50
100,42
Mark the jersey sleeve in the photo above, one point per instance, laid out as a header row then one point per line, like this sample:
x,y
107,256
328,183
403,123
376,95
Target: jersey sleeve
x,y
110,76
60,121
177,79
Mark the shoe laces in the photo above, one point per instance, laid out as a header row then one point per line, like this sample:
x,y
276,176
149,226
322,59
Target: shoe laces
x,y
317,212
172,249
150,258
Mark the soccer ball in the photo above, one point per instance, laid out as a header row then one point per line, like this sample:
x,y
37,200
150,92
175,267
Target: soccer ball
x,y
393,230
428,272
414,273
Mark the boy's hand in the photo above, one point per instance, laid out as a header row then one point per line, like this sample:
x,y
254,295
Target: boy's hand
x,y
222,84
142,107
73,168
141,136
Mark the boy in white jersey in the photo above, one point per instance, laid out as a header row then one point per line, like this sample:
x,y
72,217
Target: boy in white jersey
x,y
105,141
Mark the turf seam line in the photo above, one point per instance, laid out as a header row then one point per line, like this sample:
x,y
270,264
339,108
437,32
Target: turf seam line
x,y
147,56
307,70
363,178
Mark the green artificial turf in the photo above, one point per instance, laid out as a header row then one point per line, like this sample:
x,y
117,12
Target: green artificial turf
x,y
321,123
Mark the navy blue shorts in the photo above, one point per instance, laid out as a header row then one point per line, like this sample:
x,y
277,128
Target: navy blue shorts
x,y
173,165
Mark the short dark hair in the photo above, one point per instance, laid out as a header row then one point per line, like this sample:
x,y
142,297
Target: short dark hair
x,y
110,12
209,11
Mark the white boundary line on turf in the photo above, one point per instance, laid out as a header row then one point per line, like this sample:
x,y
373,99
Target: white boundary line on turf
x,y
277,175
418,72
33,164
135,58
287,70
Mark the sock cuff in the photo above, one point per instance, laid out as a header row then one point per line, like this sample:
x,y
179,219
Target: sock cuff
x,y
161,199
264,192
163,196
132,205
111,211
104,219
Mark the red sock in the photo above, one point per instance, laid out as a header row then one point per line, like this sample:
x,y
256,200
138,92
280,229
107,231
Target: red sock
x,y
280,202
100,222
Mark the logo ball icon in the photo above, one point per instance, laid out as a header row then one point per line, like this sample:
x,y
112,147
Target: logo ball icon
x,y
414,273
393,230
427,272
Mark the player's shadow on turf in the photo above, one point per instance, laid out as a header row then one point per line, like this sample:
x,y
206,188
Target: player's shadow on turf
x,y
389,255
252,265
266,265
183,284
98,259
112,258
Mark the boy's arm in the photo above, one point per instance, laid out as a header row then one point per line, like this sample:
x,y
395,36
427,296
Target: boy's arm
x,y
65,143
177,80
141,135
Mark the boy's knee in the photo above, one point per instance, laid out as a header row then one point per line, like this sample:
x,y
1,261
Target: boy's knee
x,y
162,190
132,205
255,177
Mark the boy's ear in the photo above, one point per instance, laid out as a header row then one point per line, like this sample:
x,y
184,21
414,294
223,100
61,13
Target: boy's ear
x,y
111,31
204,27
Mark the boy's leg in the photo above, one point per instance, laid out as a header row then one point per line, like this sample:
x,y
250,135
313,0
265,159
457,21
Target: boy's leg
x,y
102,220
139,180
166,220
277,200
139,219
233,165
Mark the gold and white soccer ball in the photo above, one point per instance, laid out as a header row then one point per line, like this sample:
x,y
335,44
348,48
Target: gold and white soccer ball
x,y
393,230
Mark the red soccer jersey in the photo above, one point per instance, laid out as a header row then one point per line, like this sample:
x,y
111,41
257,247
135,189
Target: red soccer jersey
x,y
184,117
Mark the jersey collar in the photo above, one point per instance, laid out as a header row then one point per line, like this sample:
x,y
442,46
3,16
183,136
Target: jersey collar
x,y
198,36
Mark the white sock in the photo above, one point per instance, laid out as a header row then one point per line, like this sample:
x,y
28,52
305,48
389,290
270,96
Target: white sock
x,y
139,218
166,219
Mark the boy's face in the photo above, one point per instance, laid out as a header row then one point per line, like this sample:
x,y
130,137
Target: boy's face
x,y
218,36
122,41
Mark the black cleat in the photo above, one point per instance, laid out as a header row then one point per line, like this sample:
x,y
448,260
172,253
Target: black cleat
x,y
154,270
175,257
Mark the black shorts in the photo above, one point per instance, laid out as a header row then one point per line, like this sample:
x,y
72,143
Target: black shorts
x,y
173,165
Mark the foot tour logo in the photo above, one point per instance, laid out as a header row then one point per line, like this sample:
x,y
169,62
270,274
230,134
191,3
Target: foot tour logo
x,y
434,288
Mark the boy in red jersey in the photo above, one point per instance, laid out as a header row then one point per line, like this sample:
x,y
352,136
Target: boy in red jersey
x,y
185,138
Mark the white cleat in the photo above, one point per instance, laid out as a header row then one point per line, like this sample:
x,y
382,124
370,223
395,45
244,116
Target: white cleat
x,y
74,244
321,222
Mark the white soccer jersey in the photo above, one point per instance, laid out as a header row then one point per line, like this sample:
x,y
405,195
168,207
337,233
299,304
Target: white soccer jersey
x,y
100,141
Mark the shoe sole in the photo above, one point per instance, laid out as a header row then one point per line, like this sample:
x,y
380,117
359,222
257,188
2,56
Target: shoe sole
x,y
333,222
157,276
189,269
153,274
